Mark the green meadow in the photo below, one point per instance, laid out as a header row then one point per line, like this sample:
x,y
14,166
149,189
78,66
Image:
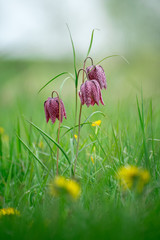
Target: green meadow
x,y
129,135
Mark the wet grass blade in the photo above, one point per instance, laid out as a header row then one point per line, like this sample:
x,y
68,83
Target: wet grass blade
x,y
52,80
51,139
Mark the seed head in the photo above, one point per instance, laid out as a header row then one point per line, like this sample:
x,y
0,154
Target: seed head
x,y
51,108
90,93
97,73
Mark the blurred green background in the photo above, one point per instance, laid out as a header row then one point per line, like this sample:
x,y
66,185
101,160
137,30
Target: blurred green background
x,y
35,46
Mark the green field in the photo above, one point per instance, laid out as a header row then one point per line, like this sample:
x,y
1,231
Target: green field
x,y
129,134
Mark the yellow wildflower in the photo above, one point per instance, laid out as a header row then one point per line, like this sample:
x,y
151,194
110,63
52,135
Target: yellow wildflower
x,y
96,123
92,159
9,211
131,177
73,188
1,131
62,185
75,136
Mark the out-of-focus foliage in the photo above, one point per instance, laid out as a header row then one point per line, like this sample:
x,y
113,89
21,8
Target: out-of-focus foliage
x,y
138,22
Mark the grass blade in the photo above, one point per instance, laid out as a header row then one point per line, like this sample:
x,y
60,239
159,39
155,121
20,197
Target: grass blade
x,y
141,119
51,139
91,42
84,123
74,57
38,160
116,55
96,112
52,80
75,127
19,151
61,87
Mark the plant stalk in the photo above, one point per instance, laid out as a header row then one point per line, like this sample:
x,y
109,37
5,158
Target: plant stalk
x,y
58,134
79,121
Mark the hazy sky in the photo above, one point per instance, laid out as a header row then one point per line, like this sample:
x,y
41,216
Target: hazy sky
x,y
38,27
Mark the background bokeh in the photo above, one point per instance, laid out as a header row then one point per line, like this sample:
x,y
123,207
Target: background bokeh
x,y
35,46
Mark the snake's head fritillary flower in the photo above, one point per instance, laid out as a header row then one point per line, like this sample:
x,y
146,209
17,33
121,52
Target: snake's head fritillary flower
x,y
51,108
97,73
90,93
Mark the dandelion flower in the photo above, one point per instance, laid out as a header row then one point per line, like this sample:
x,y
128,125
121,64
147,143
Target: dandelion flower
x,y
8,211
131,177
61,185
73,188
96,123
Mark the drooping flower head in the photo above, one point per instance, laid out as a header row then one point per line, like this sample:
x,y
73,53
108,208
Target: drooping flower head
x,y
90,93
51,108
97,73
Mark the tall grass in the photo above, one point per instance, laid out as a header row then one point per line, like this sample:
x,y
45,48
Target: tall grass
x,y
128,135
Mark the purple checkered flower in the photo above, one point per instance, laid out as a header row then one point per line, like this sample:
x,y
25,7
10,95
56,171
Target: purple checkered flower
x,y
90,93
97,73
51,108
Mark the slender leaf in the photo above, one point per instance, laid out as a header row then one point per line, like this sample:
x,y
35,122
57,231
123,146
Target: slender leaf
x,y
60,89
51,139
116,55
19,151
96,112
52,80
98,142
75,127
74,57
141,119
84,123
38,160
91,42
